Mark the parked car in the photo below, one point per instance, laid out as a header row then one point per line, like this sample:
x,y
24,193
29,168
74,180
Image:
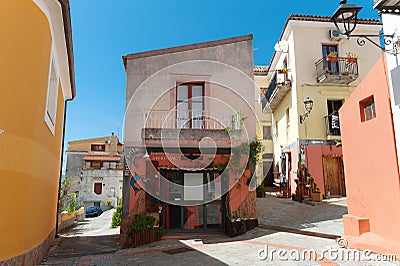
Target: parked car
x,y
93,211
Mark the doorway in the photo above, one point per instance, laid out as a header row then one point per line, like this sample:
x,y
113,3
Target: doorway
x,y
332,66
188,187
334,182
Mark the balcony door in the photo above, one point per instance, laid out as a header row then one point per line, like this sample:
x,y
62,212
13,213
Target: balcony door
x,y
190,105
332,66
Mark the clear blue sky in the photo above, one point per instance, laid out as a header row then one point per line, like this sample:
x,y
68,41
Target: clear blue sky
x,y
103,31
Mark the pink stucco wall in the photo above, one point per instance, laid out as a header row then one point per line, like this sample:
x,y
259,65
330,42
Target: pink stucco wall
x,y
314,156
371,169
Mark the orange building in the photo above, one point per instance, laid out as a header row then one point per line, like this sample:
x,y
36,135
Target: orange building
x,y
372,171
36,76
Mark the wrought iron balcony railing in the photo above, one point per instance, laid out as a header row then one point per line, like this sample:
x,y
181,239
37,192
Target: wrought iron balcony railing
x,y
190,119
277,90
337,70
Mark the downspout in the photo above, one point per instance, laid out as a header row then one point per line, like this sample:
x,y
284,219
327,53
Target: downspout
x,y
61,162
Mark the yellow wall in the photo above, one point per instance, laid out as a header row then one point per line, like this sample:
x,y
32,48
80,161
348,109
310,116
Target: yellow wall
x,y
29,153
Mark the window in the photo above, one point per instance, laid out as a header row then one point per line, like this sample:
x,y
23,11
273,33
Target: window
x,y
98,188
96,165
113,165
106,165
98,147
367,109
52,94
189,105
267,132
287,118
331,65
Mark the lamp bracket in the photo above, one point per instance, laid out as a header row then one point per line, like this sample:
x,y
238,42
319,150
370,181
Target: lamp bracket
x,y
387,40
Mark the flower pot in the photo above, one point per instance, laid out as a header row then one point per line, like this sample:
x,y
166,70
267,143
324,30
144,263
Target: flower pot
x,y
316,196
332,59
351,60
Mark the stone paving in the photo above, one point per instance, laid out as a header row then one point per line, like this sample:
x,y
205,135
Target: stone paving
x,y
323,218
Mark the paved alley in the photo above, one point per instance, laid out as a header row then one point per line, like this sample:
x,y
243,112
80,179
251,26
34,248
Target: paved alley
x,y
296,220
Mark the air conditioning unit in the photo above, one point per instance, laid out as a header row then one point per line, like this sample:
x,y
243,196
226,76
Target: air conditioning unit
x,y
335,35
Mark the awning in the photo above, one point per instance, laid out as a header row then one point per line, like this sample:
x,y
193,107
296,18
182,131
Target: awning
x,y
101,158
187,169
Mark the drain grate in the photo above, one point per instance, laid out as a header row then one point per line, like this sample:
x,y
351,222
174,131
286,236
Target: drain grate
x,y
178,250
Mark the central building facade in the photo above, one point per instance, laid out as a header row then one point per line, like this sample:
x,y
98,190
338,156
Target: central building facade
x,y
190,124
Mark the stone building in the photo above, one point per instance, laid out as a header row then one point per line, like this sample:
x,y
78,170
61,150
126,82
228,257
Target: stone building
x,y
95,166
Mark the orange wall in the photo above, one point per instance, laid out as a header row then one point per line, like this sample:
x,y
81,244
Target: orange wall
x,y
29,153
370,162
314,156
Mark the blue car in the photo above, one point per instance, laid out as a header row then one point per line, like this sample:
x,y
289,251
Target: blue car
x,y
93,211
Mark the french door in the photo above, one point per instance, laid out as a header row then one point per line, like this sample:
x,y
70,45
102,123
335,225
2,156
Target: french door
x,y
333,66
190,105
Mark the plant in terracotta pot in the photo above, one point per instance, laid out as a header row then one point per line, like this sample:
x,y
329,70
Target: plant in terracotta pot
x,y
283,70
332,57
351,57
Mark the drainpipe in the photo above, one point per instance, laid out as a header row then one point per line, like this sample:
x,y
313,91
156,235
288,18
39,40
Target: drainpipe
x,y
61,162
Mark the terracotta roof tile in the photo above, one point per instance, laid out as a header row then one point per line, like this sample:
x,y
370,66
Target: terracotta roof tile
x,y
261,70
101,158
328,19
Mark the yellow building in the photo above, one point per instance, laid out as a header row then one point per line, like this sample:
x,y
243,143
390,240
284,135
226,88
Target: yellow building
x,y
36,76
313,60
264,131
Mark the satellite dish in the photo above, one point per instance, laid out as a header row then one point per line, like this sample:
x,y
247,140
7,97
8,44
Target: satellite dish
x,y
282,46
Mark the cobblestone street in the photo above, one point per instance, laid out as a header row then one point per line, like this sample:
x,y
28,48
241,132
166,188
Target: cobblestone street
x,y
295,226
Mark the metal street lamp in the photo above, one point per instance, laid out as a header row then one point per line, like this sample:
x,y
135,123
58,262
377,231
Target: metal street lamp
x,y
308,105
347,14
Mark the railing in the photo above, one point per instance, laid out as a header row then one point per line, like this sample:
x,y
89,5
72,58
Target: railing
x,y
339,66
193,119
332,125
271,88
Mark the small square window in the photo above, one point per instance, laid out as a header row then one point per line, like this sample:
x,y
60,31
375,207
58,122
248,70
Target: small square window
x,y
267,132
367,109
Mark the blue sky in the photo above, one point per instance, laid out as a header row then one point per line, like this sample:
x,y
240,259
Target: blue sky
x,y
103,31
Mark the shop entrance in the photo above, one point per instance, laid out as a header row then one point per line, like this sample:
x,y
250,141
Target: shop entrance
x,y
187,187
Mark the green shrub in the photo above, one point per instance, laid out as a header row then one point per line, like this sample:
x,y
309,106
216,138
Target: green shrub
x,y
117,215
143,221
161,231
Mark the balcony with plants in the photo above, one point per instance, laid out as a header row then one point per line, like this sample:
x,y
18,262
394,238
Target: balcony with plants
x,y
280,85
332,69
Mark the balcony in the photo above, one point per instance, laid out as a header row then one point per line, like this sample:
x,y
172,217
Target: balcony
x,y
332,126
277,90
337,70
190,126
387,6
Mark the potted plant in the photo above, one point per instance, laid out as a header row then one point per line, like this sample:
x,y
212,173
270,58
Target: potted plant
x,y
351,57
332,57
283,70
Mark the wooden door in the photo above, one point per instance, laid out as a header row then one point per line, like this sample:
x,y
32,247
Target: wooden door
x,y
333,175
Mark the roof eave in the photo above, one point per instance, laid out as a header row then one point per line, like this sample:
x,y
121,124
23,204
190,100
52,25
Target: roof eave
x,y
65,6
